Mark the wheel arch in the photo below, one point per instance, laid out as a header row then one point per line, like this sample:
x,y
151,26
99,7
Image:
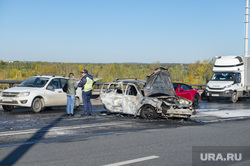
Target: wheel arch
x,y
41,98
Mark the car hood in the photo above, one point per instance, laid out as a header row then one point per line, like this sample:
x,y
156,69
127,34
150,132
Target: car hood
x,y
219,84
159,83
20,89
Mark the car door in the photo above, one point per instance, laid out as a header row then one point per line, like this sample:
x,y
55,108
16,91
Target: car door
x,y
112,97
183,91
132,99
54,94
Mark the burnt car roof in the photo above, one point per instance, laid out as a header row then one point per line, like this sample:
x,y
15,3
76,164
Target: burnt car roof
x,y
137,82
159,83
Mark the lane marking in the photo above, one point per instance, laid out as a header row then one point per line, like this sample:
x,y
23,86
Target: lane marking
x,y
32,131
133,161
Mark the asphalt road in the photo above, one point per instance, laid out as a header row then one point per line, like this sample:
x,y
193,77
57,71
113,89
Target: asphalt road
x,y
51,138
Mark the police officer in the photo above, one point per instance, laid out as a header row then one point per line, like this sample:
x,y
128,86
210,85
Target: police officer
x,y
86,84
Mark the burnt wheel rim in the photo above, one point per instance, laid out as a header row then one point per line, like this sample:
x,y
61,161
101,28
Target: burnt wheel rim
x,y
148,112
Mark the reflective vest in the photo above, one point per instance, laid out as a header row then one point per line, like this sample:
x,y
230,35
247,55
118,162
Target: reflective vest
x,y
89,85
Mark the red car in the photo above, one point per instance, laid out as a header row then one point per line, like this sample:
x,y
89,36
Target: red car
x,y
186,91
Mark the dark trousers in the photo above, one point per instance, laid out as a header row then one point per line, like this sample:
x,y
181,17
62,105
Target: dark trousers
x,y
86,101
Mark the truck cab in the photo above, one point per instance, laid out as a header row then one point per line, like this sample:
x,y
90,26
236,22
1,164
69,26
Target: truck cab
x,y
227,82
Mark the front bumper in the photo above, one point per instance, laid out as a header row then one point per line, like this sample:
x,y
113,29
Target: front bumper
x,y
222,94
16,101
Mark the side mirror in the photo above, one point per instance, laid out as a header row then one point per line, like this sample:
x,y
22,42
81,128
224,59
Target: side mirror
x,y
207,80
181,90
238,80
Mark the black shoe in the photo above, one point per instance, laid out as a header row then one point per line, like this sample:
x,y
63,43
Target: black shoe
x,y
68,115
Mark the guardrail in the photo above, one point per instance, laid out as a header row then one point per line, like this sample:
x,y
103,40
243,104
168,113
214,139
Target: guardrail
x,y
98,84
10,82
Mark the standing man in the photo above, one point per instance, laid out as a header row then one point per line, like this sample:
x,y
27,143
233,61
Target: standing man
x,y
86,84
71,93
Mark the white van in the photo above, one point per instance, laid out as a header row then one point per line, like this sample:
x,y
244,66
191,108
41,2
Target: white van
x,y
36,93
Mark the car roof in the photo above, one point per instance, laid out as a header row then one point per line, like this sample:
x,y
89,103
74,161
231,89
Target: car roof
x,y
138,82
50,76
183,84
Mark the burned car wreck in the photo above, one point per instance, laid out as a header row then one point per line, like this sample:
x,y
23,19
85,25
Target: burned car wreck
x,y
148,99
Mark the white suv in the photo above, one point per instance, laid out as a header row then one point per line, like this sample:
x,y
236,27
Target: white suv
x,y
37,92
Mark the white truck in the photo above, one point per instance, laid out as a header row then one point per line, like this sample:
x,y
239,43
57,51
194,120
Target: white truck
x,y
231,78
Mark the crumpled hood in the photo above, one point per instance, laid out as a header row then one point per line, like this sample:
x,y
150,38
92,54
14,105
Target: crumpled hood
x,y
159,83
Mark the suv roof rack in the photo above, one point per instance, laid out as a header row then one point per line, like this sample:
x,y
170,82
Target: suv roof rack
x,y
53,75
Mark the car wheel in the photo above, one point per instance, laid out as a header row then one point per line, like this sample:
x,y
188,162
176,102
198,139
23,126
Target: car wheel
x,y
148,112
196,100
77,103
234,97
37,105
210,99
7,107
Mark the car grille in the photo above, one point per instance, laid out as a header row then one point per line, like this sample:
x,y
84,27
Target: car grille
x,y
10,94
216,88
10,102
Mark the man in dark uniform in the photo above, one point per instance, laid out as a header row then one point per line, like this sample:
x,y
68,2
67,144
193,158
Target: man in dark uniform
x,y
86,84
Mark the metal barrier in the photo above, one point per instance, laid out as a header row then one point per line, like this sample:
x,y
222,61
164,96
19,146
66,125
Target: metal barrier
x,y
98,84
10,82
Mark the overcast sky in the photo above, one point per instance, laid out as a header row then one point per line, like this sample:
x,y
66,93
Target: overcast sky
x,y
108,31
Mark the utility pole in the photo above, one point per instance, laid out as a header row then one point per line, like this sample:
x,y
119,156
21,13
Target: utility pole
x,y
246,57
246,28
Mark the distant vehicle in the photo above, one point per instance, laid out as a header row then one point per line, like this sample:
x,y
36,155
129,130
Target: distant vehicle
x,y
186,91
149,100
231,79
36,93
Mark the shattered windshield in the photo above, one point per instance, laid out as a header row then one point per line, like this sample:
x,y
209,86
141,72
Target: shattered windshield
x,y
37,82
223,77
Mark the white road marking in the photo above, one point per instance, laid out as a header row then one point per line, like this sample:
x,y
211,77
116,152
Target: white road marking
x,y
132,161
223,113
56,129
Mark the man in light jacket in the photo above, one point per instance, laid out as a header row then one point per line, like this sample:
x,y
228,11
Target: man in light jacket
x,y
71,93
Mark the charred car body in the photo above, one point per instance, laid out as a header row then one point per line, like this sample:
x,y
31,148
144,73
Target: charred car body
x,y
149,99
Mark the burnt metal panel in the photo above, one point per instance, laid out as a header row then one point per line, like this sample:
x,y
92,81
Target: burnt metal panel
x,y
159,82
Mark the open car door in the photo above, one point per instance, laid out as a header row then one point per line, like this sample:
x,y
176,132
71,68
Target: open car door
x,y
132,99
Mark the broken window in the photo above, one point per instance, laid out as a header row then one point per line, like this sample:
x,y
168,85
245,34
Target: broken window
x,y
131,90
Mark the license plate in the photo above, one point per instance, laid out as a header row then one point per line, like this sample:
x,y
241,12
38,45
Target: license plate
x,y
215,94
7,100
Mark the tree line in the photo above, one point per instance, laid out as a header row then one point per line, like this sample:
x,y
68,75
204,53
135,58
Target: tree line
x,y
193,73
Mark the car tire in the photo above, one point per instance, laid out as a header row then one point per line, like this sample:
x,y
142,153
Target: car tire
x,y
148,112
196,100
210,99
37,105
234,97
77,103
7,107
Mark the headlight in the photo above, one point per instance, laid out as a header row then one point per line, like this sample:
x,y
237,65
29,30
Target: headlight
x,y
228,86
184,101
23,94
